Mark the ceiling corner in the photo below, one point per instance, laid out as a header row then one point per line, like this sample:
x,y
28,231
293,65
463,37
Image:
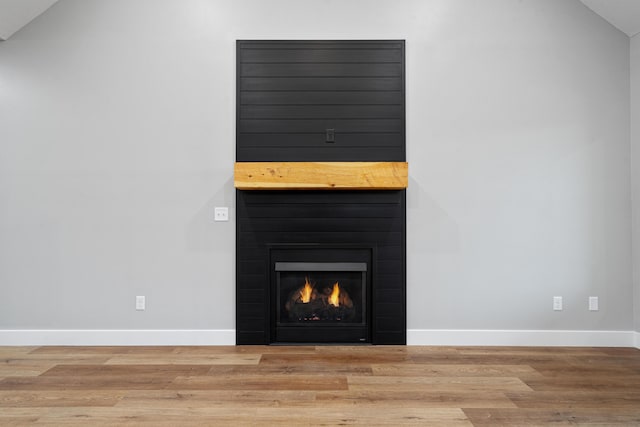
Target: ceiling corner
x,y
622,14
15,14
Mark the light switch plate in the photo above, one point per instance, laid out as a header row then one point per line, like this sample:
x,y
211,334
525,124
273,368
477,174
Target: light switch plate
x,y
141,303
593,303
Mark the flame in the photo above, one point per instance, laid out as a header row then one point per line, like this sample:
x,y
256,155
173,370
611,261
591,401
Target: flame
x,y
305,291
334,298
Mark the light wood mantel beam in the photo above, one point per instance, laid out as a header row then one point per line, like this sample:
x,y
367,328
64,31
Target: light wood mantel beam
x,y
321,175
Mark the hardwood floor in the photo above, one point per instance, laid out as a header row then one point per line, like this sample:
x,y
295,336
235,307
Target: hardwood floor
x,y
325,385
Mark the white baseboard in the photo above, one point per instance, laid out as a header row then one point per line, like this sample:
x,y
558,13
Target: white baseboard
x,y
29,337
33,337
523,338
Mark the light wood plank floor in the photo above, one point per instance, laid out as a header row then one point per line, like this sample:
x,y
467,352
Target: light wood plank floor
x,y
324,385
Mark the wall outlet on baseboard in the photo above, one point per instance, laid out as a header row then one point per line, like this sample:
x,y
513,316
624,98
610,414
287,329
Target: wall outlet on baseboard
x,y
593,304
557,303
141,302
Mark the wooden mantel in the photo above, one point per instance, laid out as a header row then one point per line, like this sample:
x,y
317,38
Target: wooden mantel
x,y
321,175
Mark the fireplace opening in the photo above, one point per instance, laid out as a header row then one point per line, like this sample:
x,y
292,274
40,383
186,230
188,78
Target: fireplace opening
x,y
318,297
321,293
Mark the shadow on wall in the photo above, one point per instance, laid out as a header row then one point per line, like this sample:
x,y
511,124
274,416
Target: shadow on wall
x,y
429,227
205,235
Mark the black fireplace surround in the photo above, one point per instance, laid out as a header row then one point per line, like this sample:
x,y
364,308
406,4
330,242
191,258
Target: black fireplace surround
x,y
317,266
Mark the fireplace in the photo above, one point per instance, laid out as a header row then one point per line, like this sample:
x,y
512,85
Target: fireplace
x,y
285,237
320,181
320,294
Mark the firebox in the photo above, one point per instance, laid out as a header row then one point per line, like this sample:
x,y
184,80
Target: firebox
x,y
317,299
320,295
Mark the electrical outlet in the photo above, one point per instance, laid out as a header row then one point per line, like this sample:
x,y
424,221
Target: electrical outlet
x,y
221,214
593,303
557,303
141,303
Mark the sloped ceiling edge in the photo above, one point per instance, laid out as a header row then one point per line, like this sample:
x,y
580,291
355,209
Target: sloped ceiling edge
x,y
15,14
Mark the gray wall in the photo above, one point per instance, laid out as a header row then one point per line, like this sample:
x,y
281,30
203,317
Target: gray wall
x,y
635,170
117,140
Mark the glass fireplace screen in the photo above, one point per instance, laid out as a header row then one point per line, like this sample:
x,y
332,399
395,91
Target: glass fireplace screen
x,y
312,293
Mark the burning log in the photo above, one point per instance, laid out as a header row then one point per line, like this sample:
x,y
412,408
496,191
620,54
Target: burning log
x,y
338,298
304,295
333,304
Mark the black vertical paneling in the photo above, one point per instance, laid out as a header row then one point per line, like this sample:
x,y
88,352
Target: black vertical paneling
x,y
368,219
290,92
